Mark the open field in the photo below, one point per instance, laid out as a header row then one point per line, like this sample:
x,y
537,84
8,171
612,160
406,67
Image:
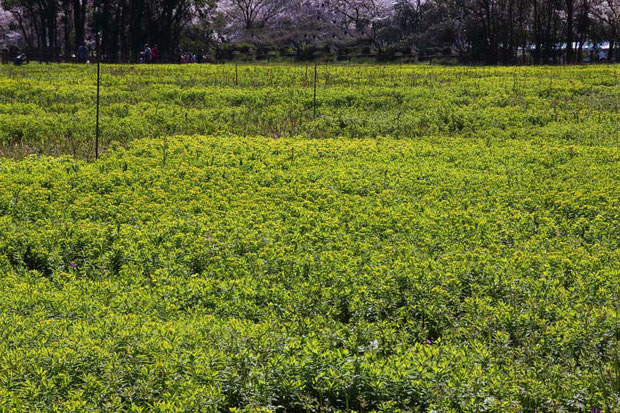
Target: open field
x,y
436,239
51,109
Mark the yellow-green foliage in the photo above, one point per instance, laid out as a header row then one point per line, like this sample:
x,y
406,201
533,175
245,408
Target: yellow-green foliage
x,y
449,243
51,109
260,274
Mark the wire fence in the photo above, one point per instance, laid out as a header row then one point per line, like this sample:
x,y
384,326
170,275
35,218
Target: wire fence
x,y
119,88
227,98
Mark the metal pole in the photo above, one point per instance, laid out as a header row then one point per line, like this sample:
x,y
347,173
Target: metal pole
x,y
98,97
315,77
236,75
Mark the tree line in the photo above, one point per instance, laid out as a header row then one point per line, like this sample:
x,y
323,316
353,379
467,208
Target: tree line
x,y
489,31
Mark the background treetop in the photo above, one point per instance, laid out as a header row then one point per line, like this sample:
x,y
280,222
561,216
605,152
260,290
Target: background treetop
x,y
489,31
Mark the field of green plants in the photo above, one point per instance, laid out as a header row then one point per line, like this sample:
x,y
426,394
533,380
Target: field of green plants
x,y
434,239
51,109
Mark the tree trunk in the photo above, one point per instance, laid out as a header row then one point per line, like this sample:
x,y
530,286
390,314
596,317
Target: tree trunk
x,y
569,31
52,26
79,21
135,31
67,29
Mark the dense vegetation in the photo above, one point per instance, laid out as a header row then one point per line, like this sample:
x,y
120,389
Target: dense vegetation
x,y
435,240
51,109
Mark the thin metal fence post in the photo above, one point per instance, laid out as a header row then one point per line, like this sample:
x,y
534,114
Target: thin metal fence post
x,y
98,97
315,79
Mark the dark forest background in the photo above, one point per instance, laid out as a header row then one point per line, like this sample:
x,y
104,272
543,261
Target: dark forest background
x,y
485,31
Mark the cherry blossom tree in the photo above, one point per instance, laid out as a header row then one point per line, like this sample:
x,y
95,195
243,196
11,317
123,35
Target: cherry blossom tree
x,y
253,14
9,33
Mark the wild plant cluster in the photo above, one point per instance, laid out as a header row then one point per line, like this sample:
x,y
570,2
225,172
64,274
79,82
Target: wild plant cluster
x,y
468,260
51,109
